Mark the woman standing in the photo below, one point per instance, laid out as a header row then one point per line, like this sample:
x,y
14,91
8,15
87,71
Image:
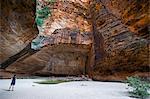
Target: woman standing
x,y
13,83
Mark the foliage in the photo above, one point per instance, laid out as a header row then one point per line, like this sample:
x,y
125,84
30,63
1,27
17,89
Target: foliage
x,y
39,21
33,0
41,15
139,88
51,81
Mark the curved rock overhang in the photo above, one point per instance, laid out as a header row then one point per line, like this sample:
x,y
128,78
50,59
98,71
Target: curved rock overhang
x,y
17,27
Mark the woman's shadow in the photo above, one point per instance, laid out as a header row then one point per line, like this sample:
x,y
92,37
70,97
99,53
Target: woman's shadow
x,y
6,89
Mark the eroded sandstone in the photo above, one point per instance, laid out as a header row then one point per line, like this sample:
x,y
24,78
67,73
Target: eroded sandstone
x,y
107,39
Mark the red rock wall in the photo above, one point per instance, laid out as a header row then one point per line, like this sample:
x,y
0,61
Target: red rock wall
x,y
69,17
126,52
133,13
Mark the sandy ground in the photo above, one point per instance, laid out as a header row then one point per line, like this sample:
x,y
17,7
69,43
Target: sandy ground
x,y
27,89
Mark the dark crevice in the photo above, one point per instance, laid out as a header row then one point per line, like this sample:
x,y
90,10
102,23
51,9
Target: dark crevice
x,y
26,51
97,38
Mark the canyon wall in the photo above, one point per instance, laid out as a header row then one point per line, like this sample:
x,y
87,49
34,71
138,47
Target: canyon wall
x,y
124,27
107,39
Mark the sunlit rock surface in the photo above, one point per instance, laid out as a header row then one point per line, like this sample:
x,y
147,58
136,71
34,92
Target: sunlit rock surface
x,y
133,13
62,36
67,23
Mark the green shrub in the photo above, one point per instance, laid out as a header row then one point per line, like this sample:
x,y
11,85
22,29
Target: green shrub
x,y
41,15
139,88
33,0
39,21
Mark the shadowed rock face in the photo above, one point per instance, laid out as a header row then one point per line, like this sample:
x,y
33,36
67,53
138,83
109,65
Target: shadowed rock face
x,y
17,30
58,59
108,39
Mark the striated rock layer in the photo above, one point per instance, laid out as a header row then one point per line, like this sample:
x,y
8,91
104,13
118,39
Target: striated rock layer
x,y
126,45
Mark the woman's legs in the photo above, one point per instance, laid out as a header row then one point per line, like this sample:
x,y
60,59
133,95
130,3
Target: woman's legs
x,y
11,87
